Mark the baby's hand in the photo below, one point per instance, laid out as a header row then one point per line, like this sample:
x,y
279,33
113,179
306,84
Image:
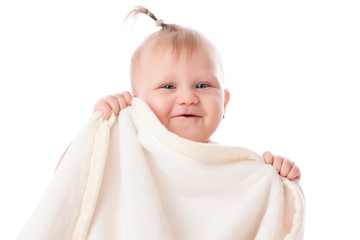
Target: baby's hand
x,y
113,103
284,166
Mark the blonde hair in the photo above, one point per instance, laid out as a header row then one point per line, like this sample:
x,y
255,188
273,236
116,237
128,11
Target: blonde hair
x,y
171,37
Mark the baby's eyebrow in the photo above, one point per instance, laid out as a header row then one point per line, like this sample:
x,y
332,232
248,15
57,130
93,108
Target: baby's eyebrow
x,y
210,78
167,77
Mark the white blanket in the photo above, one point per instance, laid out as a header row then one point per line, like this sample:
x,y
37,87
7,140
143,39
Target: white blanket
x,y
130,178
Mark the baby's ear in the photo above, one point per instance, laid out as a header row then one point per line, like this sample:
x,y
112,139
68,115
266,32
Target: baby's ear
x,y
227,98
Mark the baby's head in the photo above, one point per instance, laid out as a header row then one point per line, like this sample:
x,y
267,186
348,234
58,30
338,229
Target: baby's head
x,y
178,73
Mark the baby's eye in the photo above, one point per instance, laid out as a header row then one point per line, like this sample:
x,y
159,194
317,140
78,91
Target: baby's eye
x,y
202,85
169,86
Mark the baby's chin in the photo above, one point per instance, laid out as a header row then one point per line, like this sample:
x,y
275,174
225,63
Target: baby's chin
x,y
192,137
188,131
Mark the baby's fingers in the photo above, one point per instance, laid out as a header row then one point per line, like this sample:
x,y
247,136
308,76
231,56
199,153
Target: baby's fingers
x,y
268,157
281,164
278,161
114,104
103,106
286,167
124,99
294,173
107,105
128,97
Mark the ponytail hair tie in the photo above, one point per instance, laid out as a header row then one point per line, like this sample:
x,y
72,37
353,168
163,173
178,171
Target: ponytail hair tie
x,y
159,22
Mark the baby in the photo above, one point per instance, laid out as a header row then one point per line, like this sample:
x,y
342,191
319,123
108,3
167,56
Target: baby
x,y
178,73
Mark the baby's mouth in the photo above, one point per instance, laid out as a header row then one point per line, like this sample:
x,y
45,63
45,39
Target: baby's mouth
x,y
188,116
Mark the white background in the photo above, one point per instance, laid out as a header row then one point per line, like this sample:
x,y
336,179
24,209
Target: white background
x,y
292,68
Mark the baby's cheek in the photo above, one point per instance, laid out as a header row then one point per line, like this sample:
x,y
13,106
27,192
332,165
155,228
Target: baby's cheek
x,y
215,117
217,107
160,111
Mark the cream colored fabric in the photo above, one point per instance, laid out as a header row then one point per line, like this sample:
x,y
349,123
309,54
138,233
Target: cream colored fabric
x,y
129,178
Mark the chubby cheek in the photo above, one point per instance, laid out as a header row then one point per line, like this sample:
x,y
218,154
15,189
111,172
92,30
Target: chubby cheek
x,y
160,107
215,113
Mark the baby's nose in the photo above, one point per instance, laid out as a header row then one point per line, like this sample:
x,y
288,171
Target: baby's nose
x,y
187,97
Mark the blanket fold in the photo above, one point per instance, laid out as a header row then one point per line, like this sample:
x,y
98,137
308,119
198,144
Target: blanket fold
x,y
130,178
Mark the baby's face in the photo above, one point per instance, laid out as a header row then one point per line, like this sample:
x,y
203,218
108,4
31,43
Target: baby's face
x,y
187,95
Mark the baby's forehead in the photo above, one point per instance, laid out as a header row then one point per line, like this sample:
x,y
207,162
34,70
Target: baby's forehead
x,y
176,47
